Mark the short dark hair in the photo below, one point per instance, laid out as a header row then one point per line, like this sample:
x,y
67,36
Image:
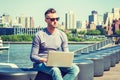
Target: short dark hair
x,y
50,10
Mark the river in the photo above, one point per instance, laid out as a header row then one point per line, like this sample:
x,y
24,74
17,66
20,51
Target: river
x,y
19,54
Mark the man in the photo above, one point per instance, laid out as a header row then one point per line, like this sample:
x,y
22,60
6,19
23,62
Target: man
x,y
51,39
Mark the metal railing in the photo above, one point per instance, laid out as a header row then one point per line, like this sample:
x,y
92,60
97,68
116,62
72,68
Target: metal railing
x,y
94,47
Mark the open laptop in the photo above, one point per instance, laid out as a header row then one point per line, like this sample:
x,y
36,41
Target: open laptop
x,y
60,59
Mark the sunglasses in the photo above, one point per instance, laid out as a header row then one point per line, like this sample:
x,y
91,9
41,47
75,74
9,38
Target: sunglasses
x,y
53,19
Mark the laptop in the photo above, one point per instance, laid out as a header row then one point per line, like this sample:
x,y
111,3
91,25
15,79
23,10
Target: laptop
x,y
60,59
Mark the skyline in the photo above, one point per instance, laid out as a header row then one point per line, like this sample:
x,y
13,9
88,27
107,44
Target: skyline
x,y
36,9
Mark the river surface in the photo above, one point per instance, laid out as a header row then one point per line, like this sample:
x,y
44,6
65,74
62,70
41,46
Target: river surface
x,y
19,54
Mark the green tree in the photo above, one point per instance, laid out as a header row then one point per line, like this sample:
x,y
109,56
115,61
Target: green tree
x,y
82,32
117,32
93,32
14,38
17,37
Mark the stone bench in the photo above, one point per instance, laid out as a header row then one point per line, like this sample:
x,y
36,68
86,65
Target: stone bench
x,y
15,73
9,73
98,64
86,69
12,74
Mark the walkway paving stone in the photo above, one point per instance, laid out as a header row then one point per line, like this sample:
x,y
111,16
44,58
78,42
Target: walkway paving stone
x,y
112,74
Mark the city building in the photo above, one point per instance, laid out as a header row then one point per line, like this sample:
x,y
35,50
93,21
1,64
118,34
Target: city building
x,y
100,20
78,24
70,20
25,24
95,19
115,26
61,26
83,26
108,18
92,26
5,20
19,31
25,21
109,30
111,21
116,13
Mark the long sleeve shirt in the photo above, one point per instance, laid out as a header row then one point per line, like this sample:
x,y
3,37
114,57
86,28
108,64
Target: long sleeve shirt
x,y
44,41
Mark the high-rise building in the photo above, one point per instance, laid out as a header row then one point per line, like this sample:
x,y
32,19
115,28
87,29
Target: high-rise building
x,y
78,24
32,24
108,19
93,18
5,20
110,16
70,20
25,21
0,20
116,25
116,13
84,25
100,20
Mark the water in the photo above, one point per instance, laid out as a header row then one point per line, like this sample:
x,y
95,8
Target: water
x,y
19,54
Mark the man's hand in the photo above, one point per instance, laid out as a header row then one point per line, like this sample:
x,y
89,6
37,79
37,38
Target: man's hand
x,y
43,60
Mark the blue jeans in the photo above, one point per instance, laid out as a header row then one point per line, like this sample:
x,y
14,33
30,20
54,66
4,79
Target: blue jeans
x,y
55,72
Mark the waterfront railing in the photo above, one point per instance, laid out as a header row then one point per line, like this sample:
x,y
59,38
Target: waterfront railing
x,y
93,47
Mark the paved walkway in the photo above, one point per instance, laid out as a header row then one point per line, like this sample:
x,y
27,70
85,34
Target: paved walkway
x,y
112,74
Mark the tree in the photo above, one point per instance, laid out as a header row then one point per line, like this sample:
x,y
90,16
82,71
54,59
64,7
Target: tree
x,y
117,32
82,32
93,32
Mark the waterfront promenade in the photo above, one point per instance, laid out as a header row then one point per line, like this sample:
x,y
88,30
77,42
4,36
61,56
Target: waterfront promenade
x,y
113,73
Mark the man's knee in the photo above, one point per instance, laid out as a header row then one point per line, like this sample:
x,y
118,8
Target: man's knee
x,y
55,70
76,69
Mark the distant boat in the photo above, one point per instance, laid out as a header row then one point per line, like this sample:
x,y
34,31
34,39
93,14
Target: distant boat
x,y
3,47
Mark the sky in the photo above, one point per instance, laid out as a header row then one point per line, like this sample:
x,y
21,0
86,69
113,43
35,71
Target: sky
x,y
36,8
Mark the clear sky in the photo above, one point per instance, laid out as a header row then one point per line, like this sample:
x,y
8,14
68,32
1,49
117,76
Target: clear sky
x,y
36,8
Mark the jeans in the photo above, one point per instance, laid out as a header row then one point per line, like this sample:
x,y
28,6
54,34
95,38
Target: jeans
x,y
55,72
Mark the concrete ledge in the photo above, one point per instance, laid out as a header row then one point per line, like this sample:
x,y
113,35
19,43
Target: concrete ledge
x,y
86,69
9,65
98,64
12,74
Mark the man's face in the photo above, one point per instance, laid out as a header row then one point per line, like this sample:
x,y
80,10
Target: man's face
x,y
52,20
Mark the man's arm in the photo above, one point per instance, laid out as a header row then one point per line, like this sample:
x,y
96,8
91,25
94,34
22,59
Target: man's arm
x,y
64,42
34,56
